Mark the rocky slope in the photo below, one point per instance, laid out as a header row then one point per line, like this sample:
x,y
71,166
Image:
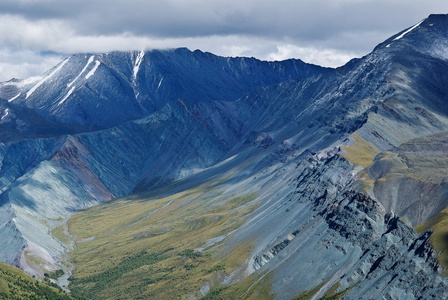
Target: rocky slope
x,y
90,92
48,173
337,166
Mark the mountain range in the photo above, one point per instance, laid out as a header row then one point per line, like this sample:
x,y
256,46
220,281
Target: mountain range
x,y
180,174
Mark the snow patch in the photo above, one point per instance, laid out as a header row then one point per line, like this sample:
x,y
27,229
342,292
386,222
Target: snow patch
x,y
34,88
28,81
160,83
66,96
83,70
138,61
6,113
24,82
14,98
407,31
92,72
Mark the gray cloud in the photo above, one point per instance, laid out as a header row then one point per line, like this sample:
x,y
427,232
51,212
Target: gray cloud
x,y
321,31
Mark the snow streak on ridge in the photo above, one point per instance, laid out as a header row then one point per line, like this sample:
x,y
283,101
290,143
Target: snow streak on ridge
x,y
138,61
34,88
14,98
407,31
66,96
160,83
83,70
6,113
92,72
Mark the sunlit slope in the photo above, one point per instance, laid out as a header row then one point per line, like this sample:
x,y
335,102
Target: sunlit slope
x,y
15,284
158,245
294,228
324,216
412,180
304,186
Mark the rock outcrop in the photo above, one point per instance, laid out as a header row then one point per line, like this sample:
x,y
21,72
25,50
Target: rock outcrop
x,y
344,162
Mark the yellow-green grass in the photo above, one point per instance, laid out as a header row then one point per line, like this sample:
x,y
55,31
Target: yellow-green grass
x,y
425,168
143,248
439,237
307,295
332,293
418,166
59,233
253,287
360,152
16,284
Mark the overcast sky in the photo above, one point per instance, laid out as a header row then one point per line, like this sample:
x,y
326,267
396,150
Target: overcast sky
x,y
37,34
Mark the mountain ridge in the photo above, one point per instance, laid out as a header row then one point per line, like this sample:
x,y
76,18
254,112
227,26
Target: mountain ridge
x,y
135,83
315,162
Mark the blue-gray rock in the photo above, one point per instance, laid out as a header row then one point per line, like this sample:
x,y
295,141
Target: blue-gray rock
x,y
336,156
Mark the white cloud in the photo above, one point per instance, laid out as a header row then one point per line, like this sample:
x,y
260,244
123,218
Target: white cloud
x,y
323,32
20,33
23,64
322,57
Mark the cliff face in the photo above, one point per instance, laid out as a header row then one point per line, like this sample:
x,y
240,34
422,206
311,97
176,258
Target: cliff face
x,y
341,162
335,238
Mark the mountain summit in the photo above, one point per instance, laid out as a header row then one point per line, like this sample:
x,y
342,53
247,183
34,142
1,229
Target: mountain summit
x,y
233,177
90,92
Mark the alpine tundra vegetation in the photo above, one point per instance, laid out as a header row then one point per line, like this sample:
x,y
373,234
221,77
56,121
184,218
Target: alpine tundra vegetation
x,y
184,175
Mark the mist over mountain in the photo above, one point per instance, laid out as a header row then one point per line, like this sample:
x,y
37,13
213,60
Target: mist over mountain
x,y
250,179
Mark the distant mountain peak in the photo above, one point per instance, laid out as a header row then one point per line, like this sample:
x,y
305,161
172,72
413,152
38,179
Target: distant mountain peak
x,y
97,91
428,36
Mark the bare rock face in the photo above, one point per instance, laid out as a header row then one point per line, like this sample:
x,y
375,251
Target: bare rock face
x,y
343,161
332,236
89,92
410,179
98,127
